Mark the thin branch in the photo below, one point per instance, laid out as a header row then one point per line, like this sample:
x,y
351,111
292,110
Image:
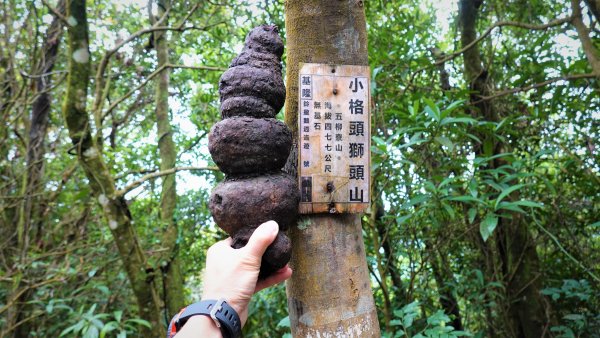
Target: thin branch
x,y
37,76
584,36
473,43
552,23
151,76
14,298
134,172
157,174
98,96
557,242
534,86
56,13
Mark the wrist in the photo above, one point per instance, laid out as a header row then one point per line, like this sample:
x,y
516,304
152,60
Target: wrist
x,y
218,311
202,324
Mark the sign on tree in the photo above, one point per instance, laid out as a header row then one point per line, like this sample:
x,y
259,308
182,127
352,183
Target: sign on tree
x,y
334,138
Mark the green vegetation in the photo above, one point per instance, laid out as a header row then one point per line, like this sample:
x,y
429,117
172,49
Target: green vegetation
x,y
485,217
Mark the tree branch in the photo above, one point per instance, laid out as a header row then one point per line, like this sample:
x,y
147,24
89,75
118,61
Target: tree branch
x,y
157,174
584,36
57,12
552,23
151,76
99,93
534,86
473,43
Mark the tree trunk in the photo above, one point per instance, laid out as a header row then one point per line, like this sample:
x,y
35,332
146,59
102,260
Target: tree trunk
x,y
31,204
330,291
526,306
592,54
442,275
170,266
101,183
594,6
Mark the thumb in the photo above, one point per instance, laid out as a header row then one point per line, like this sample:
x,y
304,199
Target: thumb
x,y
262,237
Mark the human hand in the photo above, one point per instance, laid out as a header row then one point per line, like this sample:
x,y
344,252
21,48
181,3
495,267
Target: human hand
x,y
232,274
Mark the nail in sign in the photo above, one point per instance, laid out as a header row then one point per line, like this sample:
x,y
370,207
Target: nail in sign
x,y
334,138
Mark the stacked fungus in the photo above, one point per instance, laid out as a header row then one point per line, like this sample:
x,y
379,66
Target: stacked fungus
x,y
251,147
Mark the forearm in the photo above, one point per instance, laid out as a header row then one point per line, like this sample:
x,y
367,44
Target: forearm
x,y
199,326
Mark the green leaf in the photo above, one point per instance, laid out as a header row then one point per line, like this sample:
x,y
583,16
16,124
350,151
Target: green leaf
x,y
110,326
402,219
511,206
91,332
574,316
432,110
452,107
378,140
446,181
507,191
118,315
445,142
462,120
487,226
417,199
527,203
449,210
285,322
464,198
139,321
472,213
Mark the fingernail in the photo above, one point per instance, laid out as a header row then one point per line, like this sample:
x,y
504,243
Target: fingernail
x,y
271,226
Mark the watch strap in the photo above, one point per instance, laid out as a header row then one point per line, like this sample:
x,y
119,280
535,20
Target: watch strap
x,y
224,316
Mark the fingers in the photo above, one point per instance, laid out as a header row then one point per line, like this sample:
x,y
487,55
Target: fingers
x,y
224,243
262,237
276,278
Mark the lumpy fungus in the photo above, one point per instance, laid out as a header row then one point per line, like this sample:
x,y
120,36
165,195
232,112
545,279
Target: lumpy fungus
x,y
251,147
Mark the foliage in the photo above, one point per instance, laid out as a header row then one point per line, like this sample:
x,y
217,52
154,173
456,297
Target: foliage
x,y
453,187
430,327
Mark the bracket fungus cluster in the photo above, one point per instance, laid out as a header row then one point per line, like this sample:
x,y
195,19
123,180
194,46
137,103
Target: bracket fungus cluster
x,y
251,147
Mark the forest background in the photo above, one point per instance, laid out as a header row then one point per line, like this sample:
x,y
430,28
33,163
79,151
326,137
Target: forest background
x,y
485,211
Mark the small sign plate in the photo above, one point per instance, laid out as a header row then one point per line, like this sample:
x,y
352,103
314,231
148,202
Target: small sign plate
x,y
334,128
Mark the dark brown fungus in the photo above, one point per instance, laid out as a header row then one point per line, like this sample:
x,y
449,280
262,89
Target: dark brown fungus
x,y
260,83
248,202
251,147
253,85
244,145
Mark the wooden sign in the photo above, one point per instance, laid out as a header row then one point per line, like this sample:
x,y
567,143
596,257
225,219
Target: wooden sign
x,y
334,125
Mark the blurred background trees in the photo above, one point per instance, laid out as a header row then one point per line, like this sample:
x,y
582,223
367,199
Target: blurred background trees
x,y
485,212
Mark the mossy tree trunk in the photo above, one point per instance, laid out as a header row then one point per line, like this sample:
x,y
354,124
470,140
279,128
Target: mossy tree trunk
x,y
170,266
330,290
116,212
518,257
29,212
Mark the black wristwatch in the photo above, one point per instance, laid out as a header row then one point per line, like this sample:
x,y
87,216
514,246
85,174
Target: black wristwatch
x,y
221,313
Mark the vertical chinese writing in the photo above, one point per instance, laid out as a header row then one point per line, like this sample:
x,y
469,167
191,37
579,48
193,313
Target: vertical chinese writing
x,y
305,119
334,138
358,188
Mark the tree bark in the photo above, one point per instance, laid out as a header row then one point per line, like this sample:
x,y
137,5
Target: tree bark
x,y
442,275
583,32
170,265
594,6
30,207
526,306
115,209
329,293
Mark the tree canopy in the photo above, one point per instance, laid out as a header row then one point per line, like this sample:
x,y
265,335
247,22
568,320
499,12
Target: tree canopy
x,y
485,207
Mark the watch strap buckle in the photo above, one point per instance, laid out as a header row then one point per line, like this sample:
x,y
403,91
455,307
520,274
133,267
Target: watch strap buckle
x,y
218,307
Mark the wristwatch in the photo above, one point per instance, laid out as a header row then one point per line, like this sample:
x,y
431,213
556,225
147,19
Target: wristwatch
x,y
221,313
